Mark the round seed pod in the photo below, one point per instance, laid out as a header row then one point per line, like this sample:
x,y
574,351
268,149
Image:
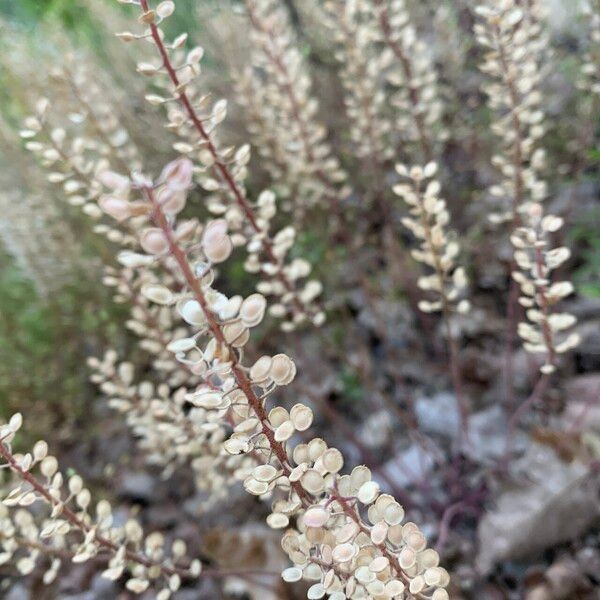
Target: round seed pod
x,y
264,473
312,481
368,492
181,345
259,372
277,521
301,416
252,310
393,514
292,574
316,516
117,208
344,552
284,432
379,564
157,293
332,460
256,488
153,241
283,369
192,313
278,415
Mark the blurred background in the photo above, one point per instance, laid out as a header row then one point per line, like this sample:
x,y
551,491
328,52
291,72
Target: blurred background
x,y
375,373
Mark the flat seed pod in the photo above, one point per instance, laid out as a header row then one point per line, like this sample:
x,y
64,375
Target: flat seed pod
x,y
153,241
316,448
344,552
407,557
256,488
264,473
278,415
301,416
283,369
332,460
277,521
284,432
379,564
158,293
393,514
117,208
292,574
181,345
346,533
235,334
360,475
253,309
259,372
417,585
315,592
192,313
379,533
368,492
219,251
165,9
364,575
316,516
312,481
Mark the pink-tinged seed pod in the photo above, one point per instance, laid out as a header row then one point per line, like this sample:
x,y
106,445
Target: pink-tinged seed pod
x,y
153,241
214,231
283,369
117,208
216,243
252,310
259,372
114,181
177,175
316,516
172,201
219,251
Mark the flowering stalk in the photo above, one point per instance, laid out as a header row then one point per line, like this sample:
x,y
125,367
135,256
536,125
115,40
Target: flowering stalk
x,y
352,25
296,304
413,73
286,110
410,69
305,484
512,33
168,430
447,283
70,514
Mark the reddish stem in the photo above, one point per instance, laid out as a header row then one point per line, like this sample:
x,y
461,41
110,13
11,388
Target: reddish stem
x,y
413,93
288,89
219,165
239,374
79,524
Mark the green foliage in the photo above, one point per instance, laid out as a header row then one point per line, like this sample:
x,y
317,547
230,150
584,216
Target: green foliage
x,y
352,390
585,234
43,345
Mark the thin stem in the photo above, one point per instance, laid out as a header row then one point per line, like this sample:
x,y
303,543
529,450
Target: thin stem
x,y
453,353
238,372
288,89
219,165
350,511
413,93
78,523
536,394
517,200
